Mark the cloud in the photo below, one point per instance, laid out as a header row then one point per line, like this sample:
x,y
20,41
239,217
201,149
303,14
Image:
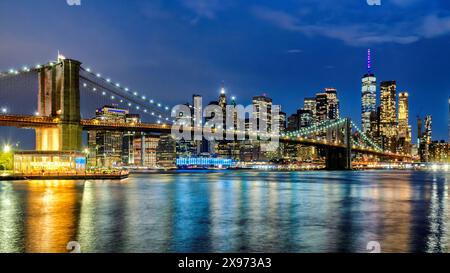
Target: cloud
x,y
294,51
359,34
434,26
204,8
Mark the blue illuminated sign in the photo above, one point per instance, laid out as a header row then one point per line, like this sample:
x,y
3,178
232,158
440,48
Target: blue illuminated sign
x,y
203,161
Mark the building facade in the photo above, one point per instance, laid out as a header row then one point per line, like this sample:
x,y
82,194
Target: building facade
x,y
166,154
106,148
388,115
404,129
144,151
262,113
368,100
368,96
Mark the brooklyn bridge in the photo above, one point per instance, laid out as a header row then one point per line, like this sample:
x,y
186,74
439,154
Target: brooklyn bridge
x,y
58,122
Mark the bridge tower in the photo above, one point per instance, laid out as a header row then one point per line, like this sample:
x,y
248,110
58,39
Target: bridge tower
x,y
59,98
340,158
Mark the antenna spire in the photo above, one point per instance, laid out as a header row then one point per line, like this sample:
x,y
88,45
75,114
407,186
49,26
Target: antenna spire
x,y
369,61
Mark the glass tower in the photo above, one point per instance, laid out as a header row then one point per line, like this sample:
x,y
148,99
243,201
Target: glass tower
x,y
368,96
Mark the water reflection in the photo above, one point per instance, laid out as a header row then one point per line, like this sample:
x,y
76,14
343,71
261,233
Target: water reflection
x,y
230,212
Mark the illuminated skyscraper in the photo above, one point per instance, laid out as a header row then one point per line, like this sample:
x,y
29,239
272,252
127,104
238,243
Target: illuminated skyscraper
x,y
309,104
425,140
321,107
327,105
404,130
282,122
262,114
388,115
419,130
107,148
368,96
333,111
428,129
223,97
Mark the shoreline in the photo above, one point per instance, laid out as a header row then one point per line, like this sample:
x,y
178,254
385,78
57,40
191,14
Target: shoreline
x,y
65,177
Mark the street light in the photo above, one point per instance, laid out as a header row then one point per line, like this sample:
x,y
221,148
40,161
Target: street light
x,y
6,148
4,110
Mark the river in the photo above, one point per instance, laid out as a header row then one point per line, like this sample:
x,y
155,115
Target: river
x,y
230,211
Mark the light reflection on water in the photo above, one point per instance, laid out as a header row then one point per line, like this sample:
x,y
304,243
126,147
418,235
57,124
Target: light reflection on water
x,y
241,211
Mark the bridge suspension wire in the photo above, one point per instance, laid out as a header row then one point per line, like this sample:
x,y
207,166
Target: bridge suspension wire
x,y
366,139
17,72
14,88
123,95
112,97
316,128
26,69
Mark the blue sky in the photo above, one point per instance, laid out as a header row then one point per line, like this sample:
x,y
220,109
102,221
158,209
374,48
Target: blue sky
x,y
287,49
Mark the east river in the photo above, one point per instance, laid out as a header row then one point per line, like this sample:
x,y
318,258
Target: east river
x,y
230,211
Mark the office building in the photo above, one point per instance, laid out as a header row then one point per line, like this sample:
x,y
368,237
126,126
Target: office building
x,y
166,152
106,148
262,113
144,151
368,96
333,111
327,105
404,129
438,152
425,140
321,107
309,104
388,115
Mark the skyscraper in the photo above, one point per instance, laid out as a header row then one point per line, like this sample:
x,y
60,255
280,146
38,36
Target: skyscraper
x,y
282,122
262,106
106,147
428,129
425,140
368,95
419,129
309,104
305,118
321,107
404,130
388,115
333,111
223,97
327,105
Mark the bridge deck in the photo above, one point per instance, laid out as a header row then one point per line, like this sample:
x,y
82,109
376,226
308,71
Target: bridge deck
x,y
23,121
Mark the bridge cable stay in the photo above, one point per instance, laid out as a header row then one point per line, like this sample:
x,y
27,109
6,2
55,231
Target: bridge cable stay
x,y
315,129
312,132
111,97
16,84
122,95
26,69
367,140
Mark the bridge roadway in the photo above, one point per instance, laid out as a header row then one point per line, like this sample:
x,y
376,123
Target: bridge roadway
x,y
31,122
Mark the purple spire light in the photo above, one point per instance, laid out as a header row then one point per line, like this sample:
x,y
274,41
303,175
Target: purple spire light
x,y
369,61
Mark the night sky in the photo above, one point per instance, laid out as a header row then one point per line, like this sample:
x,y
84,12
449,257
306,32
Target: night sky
x,y
286,49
